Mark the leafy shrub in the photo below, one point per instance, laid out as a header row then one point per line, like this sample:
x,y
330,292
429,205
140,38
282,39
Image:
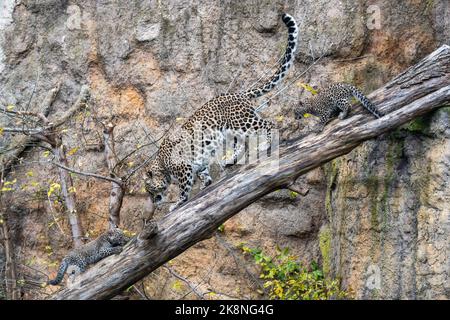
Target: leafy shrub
x,y
287,279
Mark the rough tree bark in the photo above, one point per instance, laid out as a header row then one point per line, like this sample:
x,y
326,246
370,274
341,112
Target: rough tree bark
x,y
117,189
67,189
418,90
12,289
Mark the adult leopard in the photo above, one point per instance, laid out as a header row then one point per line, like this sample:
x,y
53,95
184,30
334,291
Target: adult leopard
x,y
187,153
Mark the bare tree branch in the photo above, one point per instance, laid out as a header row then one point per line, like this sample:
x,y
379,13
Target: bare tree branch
x,y
9,159
253,278
67,190
79,103
193,288
22,130
49,135
87,174
12,290
117,188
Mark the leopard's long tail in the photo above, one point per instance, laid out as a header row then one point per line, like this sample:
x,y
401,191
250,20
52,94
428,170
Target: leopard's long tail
x,y
365,102
286,62
61,271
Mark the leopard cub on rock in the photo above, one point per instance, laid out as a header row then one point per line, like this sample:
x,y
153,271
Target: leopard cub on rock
x,y
109,243
334,101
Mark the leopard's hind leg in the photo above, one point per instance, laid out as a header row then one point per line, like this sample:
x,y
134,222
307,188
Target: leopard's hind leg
x,y
204,177
262,130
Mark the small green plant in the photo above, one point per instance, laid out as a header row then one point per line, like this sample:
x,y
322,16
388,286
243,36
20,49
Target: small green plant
x,y
286,278
221,228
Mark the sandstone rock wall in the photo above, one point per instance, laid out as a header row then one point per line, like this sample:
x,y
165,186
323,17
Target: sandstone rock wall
x,y
376,218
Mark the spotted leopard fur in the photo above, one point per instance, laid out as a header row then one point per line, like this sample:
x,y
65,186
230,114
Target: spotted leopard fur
x,y
187,153
334,101
107,244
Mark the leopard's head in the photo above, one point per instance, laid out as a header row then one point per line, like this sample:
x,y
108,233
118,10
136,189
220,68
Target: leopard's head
x,y
156,183
116,237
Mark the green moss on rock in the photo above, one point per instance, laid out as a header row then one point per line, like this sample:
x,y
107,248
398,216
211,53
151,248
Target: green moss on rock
x,y
325,248
418,125
331,170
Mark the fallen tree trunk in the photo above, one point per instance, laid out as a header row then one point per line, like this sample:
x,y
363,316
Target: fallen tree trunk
x,y
418,90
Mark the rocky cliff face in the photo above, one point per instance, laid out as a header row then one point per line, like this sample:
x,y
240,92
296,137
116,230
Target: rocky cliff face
x,y
377,218
389,215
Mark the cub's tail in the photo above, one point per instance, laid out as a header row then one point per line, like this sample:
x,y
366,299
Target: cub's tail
x,y
365,102
61,271
286,62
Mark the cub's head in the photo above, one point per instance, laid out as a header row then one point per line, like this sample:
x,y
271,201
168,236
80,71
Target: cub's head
x,y
116,237
156,182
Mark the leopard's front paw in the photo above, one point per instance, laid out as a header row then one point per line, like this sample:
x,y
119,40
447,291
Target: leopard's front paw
x,y
206,183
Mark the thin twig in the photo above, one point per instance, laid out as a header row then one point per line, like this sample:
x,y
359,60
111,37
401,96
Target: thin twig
x,y
186,281
238,262
87,174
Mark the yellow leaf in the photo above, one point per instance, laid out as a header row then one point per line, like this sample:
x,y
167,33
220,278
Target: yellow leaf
x,y
179,119
279,118
307,115
129,233
130,164
4,189
53,264
53,187
72,151
29,173
46,154
1,131
72,190
307,87
7,183
10,107
177,285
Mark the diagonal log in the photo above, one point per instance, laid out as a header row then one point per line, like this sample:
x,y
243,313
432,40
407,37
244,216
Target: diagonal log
x,y
415,92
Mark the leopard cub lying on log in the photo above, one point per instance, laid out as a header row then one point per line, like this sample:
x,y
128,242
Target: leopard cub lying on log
x,y
109,243
333,101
